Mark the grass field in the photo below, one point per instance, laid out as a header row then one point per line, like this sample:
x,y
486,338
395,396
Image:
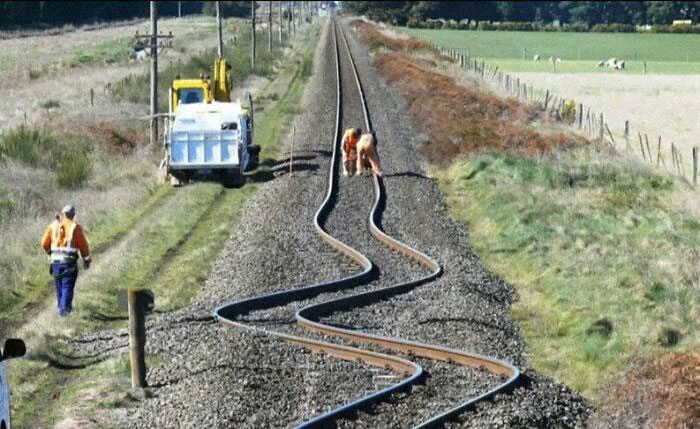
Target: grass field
x,y
604,263
161,244
580,52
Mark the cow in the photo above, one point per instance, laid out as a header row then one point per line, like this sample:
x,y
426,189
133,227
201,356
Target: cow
x,y
536,58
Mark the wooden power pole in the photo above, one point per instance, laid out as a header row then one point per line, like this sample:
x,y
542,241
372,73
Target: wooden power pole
x,y
279,9
269,27
252,48
218,26
154,73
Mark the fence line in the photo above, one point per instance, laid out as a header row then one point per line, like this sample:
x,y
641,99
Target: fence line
x,y
593,126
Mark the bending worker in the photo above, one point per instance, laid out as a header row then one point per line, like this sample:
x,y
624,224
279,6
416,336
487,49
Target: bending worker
x,y
62,241
349,145
367,153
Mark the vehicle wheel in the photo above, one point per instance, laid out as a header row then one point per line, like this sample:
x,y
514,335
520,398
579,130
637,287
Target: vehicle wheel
x,y
254,151
233,178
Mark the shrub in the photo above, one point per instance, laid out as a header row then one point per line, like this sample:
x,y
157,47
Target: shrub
x,y
74,168
26,145
414,22
50,104
38,147
614,28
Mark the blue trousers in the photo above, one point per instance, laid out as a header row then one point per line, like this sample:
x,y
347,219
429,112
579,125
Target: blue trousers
x,y
65,275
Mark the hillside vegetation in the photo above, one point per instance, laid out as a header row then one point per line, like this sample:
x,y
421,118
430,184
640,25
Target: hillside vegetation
x,y
603,254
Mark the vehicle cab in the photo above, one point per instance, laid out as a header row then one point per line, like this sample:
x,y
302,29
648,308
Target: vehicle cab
x,y
13,348
189,91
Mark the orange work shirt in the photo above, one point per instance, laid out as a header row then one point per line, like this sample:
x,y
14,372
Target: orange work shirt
x,y
63,239
350,140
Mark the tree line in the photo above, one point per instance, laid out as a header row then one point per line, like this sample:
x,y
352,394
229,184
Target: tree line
x,y
588,13
42,14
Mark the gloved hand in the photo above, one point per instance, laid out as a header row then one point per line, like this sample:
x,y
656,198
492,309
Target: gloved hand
x,y
86,263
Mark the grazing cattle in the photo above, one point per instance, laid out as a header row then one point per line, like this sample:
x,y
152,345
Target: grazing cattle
x,y
536,58
141,53
558,60
551,59
613,63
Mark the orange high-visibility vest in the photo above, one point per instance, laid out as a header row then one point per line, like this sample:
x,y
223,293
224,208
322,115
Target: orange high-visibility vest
x,y
63,240
350,140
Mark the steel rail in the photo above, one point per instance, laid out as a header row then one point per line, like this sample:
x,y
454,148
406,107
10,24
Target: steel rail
x,y
228,313
307,316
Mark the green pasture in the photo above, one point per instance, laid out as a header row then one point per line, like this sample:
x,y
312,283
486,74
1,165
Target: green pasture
x,y
580,52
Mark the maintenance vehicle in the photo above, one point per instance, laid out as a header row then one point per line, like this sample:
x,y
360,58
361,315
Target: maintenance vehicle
x,y
13,348
207,134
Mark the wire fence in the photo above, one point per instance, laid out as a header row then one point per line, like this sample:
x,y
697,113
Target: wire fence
x,y
582,119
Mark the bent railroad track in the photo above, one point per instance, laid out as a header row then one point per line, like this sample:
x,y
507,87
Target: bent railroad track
x,y
319,333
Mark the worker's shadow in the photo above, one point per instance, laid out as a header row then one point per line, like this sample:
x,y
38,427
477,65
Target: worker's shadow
x,y
409,174
265,174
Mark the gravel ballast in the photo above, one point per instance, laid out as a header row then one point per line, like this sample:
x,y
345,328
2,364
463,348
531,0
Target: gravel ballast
x,y
219,376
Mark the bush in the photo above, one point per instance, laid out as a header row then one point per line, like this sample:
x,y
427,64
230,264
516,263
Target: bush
x,y
41,148
74,169
26,145
414,22
613,28
684,28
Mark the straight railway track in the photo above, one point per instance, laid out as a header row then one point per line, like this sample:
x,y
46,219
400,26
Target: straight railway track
x,y
397,355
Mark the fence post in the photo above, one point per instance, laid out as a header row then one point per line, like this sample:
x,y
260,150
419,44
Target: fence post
x,y
641,146
695,165
546,100
580,115
137,336
646,139
645,67
601,125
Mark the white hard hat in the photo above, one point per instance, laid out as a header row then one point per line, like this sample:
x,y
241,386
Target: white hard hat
x,y
69,211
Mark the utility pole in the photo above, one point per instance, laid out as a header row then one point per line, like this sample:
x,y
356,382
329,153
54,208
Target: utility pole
x,y
154,74
252,53
218,25
291,16
269,27
179,9
279,7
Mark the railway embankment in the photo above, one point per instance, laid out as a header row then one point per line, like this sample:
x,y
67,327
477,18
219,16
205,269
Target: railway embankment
x,y
601,252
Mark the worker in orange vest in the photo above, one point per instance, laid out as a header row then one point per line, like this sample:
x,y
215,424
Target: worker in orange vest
x,y
62,241
349,145
367,154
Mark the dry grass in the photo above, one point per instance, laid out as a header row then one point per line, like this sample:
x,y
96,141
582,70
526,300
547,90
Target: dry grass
x,y
376,38
34,70
657,105
462,120
664,394
458,120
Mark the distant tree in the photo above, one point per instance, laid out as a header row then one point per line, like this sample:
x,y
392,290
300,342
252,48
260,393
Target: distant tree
x,y
228,8
661,12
